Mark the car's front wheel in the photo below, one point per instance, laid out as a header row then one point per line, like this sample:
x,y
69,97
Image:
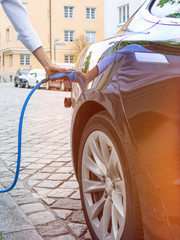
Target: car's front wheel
x,y
47,85
15,83
26,84
108,193
62,86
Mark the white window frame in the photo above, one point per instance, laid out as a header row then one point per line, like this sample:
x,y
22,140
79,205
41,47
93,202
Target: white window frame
x,y
69,36
90,13
68,12
69,58
11,60
90,36
123,14
25,59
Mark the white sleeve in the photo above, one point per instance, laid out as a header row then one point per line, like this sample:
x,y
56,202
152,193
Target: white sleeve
x,y
105,62
19,19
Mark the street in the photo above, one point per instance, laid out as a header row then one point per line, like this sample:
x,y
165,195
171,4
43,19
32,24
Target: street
x,y
45,204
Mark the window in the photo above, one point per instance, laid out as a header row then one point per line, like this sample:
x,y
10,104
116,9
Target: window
x,y
24,5
68,12
68,58
7,34
123,14
69,36
25,59
90,37
166,9
90,13
11,60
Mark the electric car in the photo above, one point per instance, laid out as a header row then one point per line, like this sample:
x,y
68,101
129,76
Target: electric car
x,y
35,76
20,78
125,132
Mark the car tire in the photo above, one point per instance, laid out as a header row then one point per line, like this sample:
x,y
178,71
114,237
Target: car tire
x,y
15,84
62,86
21,85
47,85
108,193
26,84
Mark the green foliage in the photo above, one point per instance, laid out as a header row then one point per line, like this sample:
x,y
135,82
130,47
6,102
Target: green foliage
x,y
174,15
86,63
163,2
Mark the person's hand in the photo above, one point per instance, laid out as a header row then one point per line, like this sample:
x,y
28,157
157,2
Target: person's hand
x,y
88,77
84,78
52,69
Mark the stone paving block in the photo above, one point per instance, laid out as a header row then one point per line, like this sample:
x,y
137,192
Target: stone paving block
x,y
28,198
40,176
77,228
56,164
75,195
59,176
41,217
78,217
48,201
32,182
52,229
64,237
42,192
60,193
65,170
19,192
63,214
49,169
23,176
70,185
49,184
38,155
67,204
44,160
32,207
30,159
28,171
35,166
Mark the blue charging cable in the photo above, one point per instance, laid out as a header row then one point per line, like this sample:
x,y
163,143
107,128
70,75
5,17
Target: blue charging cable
x,y
72,76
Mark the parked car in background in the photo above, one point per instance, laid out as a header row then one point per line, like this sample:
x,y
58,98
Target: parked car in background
x,y
125,133
20,78
62,85
35,76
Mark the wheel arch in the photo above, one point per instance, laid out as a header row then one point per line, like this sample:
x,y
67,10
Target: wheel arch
x,y
86,111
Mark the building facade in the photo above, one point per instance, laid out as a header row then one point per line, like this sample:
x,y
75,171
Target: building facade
x,y
59,25
116,13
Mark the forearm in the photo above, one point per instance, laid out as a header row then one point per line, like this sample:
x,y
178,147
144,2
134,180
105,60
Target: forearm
x,y
41,56
93,73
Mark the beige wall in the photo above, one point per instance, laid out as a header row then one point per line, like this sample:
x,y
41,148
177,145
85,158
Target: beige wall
x,y
38,12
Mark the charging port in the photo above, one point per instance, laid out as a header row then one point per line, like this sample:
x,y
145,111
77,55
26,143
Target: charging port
x,y
67,102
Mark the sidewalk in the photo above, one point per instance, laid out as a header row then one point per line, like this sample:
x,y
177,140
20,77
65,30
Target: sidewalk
x,y
14,224
45,204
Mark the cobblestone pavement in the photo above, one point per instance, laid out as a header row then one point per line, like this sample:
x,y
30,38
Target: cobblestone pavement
x,y
47,190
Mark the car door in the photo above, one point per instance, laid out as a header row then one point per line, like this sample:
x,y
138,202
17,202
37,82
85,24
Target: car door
x,y
149,83
32,78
